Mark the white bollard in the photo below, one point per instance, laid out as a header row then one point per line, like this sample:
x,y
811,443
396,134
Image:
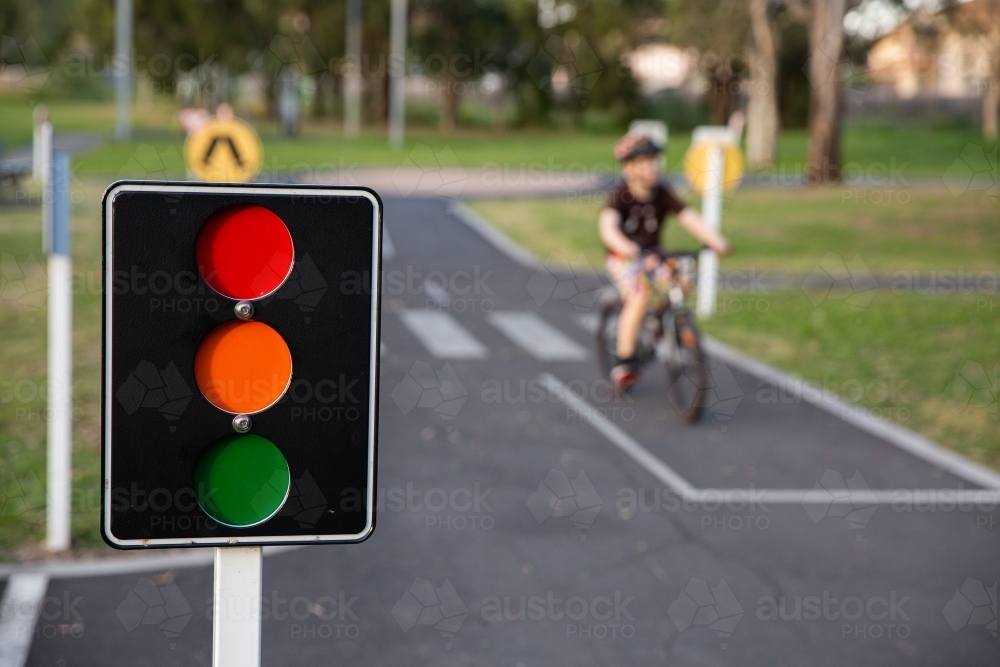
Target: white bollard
x,y
711,213
60,362
236,607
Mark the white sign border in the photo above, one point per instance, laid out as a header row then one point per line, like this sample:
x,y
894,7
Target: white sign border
x,y
166,187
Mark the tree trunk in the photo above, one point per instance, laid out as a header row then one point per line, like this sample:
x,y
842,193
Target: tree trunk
x,y
720,96
991,98
826,46
447,104
762,103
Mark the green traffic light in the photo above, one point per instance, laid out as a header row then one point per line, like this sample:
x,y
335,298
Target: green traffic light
x,y
242,480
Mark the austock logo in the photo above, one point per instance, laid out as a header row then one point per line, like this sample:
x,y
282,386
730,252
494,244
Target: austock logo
x,y
306,503
834,279
973,604
701,604
565,63
301,56
23,65
720,394
578,284
305,287
22,284
426,604
22,498
834,496
156,602
147,387
427,170
423,387
147,163
558,496
973,170
974,387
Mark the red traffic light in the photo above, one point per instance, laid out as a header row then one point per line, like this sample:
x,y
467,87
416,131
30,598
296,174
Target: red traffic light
x,y
244,252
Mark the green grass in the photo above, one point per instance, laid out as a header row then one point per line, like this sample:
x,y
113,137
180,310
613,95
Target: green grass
x,y
893,351
22,374
158,145
791,231
905,357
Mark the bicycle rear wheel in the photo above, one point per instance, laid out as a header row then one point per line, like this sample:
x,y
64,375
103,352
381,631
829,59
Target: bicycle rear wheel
x,y
607,336
687,376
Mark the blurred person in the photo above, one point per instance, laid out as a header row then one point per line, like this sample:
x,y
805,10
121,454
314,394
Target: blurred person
x,y
630,224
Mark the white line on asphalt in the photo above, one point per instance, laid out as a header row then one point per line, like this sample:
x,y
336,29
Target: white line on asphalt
x,y
537,337
436,292
443,337
388,249
894,434
494,236
985,499
618,437
19,609
886,431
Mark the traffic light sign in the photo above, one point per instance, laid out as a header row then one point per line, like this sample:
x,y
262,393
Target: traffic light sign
x,y
240,382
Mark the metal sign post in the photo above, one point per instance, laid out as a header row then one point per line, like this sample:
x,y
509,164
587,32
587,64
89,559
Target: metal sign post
x,y
713,166
236,607
711,213
261,260
60,366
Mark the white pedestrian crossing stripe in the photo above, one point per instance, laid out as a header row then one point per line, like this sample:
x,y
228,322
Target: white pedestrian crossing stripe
x,y
443,337
537,337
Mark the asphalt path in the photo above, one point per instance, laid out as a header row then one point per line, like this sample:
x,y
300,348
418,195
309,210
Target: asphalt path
x,y
514,532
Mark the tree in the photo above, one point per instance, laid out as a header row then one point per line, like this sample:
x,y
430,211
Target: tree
x,y
459,39
826,48
719,29
981,19
762,94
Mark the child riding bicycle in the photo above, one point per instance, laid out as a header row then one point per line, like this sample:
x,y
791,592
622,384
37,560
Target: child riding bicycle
x,y
630,224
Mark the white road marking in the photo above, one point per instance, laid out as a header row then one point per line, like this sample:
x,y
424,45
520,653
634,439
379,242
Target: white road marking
x,y
437,293
537,337
815,496
618,437
22,602
388,249
443,337
907,440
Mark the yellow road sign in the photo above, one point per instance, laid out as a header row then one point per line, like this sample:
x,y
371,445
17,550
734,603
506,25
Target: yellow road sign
x,y
696,166
224,150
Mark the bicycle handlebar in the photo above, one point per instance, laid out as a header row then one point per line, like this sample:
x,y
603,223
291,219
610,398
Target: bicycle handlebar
x,y
675,254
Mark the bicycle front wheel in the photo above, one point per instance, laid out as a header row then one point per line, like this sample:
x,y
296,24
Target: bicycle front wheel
x,y
607,336
687,376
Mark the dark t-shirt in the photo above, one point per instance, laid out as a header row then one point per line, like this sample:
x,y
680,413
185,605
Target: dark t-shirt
x,y
643,220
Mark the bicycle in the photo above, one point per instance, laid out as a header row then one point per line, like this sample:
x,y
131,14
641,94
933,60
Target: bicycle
x,y
669,333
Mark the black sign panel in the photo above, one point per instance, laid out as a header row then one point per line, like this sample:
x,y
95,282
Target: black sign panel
x,y
240,377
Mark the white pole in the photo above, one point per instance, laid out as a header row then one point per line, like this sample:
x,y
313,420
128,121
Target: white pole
x,y
43,169
39,152
236,607
123,69
352,73
397,73
60,380
711,212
